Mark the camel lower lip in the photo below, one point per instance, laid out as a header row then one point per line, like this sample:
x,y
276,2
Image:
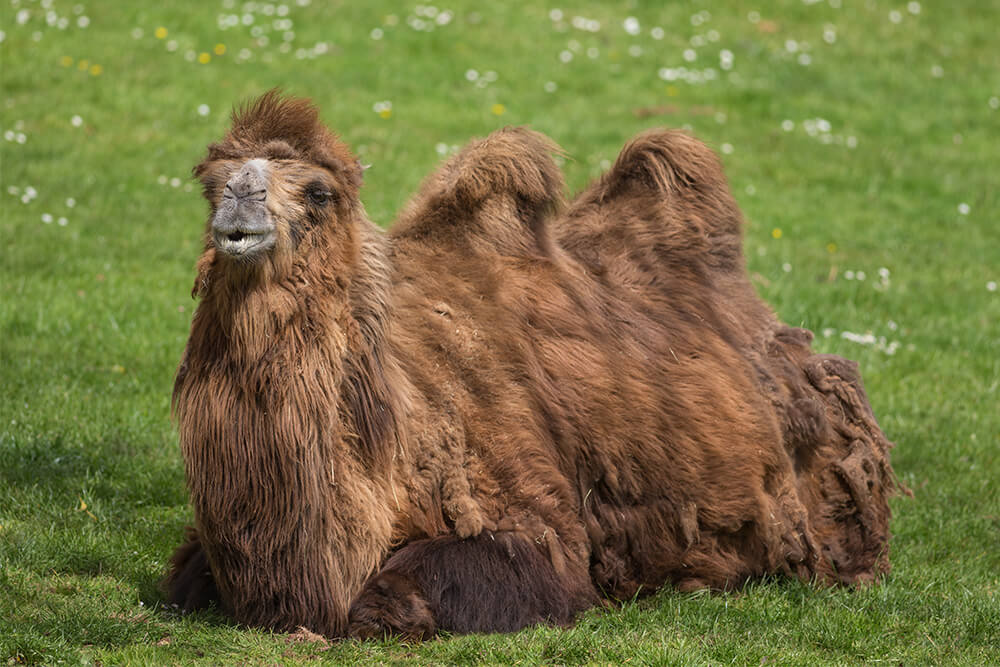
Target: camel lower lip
x,y
243,243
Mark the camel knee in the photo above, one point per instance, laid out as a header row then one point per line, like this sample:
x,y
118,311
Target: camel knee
x,y
493,582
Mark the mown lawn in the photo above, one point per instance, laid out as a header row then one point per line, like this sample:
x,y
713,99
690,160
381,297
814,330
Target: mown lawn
x,y
861,139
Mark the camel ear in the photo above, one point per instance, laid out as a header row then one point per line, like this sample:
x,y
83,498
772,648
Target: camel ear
x,y
358,171
349,171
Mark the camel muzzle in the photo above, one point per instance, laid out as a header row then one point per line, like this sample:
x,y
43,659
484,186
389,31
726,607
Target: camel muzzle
x,y
242,226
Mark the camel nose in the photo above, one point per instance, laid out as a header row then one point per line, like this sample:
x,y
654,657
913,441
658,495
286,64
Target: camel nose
x,y
250,182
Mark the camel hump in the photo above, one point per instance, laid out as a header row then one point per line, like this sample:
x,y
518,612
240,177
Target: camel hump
x,y
499,189
667,193
514,161
666,162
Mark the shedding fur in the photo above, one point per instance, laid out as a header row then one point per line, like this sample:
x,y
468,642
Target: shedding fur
x,y
508,408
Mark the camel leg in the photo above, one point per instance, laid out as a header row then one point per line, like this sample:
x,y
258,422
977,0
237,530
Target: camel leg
x,y
189,584
493,582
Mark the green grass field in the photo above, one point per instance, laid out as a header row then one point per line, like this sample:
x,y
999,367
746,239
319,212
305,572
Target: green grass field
x,y
860,137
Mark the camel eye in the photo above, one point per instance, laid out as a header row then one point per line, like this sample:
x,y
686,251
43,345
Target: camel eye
x,y
320,196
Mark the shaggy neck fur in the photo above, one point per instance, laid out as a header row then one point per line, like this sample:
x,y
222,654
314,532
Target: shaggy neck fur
x,y
288,448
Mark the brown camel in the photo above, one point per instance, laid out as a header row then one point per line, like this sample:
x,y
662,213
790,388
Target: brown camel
x,y
506,409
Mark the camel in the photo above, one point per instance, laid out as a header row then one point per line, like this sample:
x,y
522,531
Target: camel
x,y
508,408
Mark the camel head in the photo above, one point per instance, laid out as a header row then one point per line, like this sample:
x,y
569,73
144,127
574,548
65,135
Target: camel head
x,y
279,185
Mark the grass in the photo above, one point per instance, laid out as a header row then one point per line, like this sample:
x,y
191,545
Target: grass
x,y
886,167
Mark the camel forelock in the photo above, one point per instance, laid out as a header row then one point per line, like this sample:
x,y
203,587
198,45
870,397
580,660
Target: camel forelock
x,y
274,126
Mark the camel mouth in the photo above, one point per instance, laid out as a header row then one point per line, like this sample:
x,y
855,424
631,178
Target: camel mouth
x,y
243,243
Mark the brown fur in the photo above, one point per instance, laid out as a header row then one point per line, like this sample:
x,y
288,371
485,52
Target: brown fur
x,y
505,408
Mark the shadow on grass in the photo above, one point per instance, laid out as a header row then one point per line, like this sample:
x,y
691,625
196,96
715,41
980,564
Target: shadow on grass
x,y
120,468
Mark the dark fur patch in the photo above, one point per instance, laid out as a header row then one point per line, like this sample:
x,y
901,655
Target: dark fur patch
x,y
189,583
494,582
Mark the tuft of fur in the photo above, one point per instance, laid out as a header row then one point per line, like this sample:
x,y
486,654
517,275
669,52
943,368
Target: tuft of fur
x,y
506,177
508,408
274,126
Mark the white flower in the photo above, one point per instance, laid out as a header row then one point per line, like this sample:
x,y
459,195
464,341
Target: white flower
x,y
861,339
964,208
631,25
203,110
726,59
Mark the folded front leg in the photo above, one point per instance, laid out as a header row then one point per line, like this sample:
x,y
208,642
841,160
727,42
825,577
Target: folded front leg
x,y
189,584
494,582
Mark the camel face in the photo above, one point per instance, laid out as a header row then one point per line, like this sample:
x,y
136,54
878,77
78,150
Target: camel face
x,y
267,204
